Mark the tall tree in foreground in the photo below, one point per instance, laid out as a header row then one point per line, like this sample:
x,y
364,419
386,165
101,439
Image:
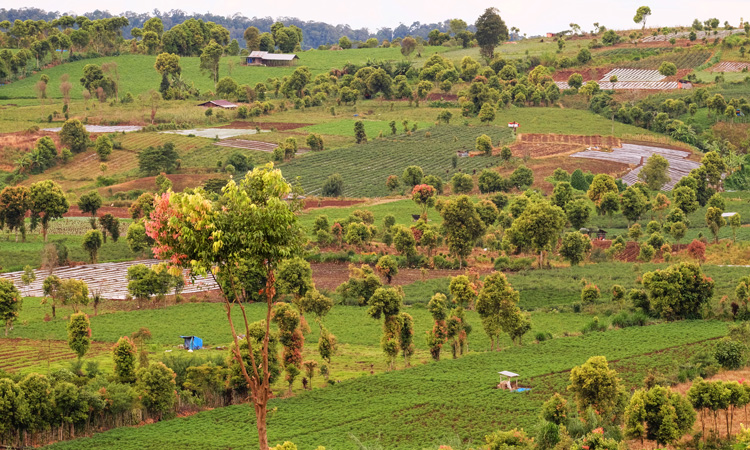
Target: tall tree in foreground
x,y
491,31
497,303
244,235
48,203
655,172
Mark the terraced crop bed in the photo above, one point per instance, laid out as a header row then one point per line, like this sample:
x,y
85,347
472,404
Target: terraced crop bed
x,y
636,155
365,168
110,279
730,66
20,353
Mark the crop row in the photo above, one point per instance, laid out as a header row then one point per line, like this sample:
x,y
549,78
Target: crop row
x,y
364,168
425,405
683,60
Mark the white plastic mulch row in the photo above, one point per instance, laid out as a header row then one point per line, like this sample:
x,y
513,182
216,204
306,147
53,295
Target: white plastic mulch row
x,y
633,75
216,133
636,155
730,66
109,279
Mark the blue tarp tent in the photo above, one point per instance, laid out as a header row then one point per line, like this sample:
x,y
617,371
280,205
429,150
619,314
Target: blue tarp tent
x,y
192,342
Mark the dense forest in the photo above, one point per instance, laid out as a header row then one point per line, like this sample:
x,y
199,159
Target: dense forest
x,y
315,33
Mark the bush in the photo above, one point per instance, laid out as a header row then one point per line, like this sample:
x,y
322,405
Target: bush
x,y
504,263
625,319
729,354
593,326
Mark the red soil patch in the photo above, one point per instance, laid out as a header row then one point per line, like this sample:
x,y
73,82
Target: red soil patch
x,y
280,126
120,213
313,203
447,97
545,145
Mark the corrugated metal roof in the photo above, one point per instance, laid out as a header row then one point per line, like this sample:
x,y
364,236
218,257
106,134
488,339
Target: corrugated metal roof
x,y
279,57
257,54
222,103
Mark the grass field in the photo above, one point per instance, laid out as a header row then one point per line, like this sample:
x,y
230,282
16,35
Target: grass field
x,y
137,74
345,127
428,405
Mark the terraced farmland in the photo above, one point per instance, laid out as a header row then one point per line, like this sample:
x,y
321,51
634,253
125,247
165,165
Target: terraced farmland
x,y
17,353
679,165
730,66
721,34
364,168
683,60
109,279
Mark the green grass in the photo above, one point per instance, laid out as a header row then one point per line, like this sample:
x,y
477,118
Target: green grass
x,y
15,255
364,168
424,406
345,127
137,74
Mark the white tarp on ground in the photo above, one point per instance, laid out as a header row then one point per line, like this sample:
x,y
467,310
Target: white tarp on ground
x,y
109,279
213,133
103,128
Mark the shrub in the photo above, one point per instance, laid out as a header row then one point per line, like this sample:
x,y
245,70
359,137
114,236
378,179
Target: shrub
x,y
729,354
590,294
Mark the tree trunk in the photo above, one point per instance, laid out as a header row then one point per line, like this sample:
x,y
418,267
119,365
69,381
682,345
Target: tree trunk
x,y
260,418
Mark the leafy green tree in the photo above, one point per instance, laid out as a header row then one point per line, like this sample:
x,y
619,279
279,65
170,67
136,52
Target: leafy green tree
x,y
484,142
90,204
497,303
491,31
487,113
715,221
574,247
92,242
154,160
156,386
387,303
424,196
36,389
729,354
655,172
123,355
600,186
562,194
594,384
490,181
74,136
679,292
387,267
359,132
714,167
47,203
633,204
578,212
406,336
462,183
103,147
412,176
10,303
522,177
436,338
251,228
609,205
590,294
575,81
209,60
333,186
668,415
462,225
537,228
13,408
668,69
79,334
685,199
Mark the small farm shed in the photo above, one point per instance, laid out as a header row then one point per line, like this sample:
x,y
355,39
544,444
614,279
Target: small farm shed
x,y
219,104
506,378
192,342
258,58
